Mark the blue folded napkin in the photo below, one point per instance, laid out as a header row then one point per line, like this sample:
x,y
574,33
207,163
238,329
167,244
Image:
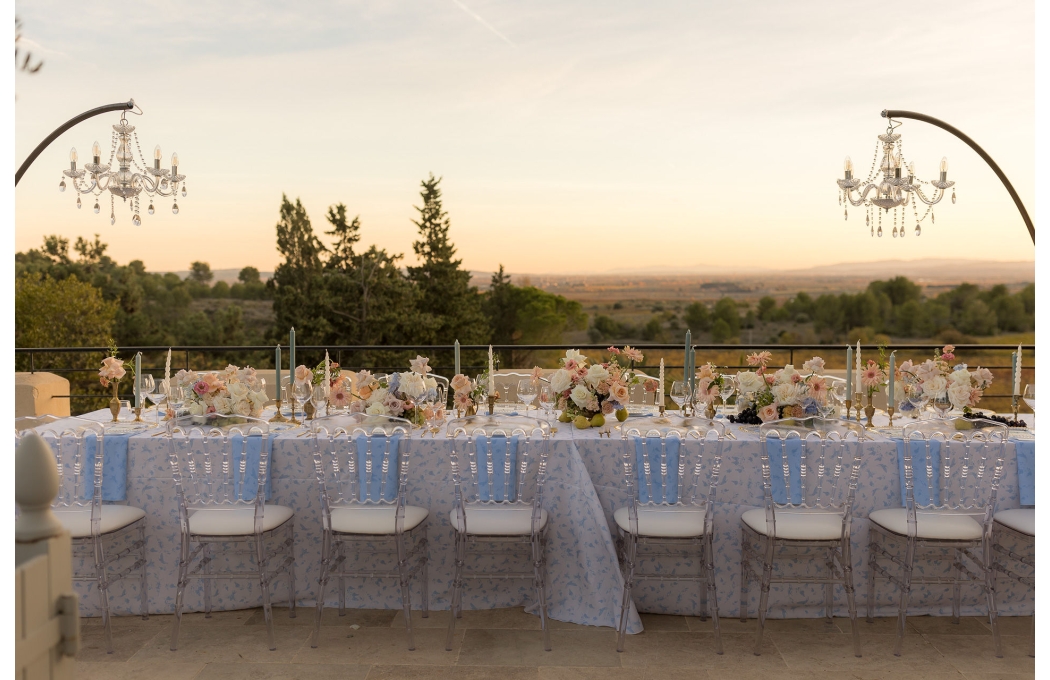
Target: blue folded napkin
x,y
1025,451
650,447
238,451
792,446
920,486
502,487
114,467
377,485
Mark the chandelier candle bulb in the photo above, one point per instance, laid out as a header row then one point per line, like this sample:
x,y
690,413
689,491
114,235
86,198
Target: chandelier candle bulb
x,y
457,359
156,157
96,152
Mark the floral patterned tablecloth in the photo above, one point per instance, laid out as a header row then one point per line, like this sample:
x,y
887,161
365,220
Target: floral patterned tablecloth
x,y
584,488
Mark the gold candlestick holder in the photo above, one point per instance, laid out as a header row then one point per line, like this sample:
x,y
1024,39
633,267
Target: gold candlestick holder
x,y
138,414
869,413
278,417
293,420
889,410
858,400
492,398
1015,405
849,407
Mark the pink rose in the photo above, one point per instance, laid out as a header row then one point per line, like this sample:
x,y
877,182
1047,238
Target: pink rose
x,y
419,365
537,373
303,374
619,393
459,382
200,387
112,369
607,407
767,413
650,386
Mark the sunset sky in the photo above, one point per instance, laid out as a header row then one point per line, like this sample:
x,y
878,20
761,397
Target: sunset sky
x,y
572,136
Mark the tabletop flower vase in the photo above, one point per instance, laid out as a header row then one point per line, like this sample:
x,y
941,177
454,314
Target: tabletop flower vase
x,y
109,375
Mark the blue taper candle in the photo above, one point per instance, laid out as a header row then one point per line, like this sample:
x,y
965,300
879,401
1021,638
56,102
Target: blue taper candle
x,y
688,353
457,359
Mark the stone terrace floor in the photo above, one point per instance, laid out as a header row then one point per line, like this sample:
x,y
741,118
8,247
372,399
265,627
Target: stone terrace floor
x,y
506,644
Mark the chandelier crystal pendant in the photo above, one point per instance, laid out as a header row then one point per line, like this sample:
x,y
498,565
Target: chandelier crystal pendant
x,y
131,177
889,188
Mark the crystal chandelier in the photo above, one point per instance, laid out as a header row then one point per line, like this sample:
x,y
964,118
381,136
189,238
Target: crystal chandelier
x,y
893,190
129,179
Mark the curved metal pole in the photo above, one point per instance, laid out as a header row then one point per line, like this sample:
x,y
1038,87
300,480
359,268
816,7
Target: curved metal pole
x,y
122,106
887,113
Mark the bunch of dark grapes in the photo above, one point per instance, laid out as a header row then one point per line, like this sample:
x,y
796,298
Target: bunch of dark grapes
x,y
749,416
998,419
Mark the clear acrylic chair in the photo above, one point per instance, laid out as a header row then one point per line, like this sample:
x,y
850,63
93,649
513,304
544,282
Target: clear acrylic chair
x,y
221,465
361,463
639,397
947,516
109,537
807,513
670,478
1017,526
506,383
499,467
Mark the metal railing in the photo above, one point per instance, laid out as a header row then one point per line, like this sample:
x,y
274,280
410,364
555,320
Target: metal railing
x,y
196,357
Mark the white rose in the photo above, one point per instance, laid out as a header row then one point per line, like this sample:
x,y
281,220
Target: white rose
x,y
561,380
959,395
222,404
237,390
257,400
596,374
241,407
786,394
960,377
935,386
581,395
411,384
195,408
784,375
430,383
574,355
378,396
376,409
750,382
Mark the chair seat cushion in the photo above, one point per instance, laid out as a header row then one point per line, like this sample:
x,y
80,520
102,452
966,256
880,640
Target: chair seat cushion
x,y
113,518
375,519
236,521
797,525
946,526
515,520
664,521
1018,519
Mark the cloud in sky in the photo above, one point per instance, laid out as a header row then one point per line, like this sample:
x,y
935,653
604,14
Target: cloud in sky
x,y
611,134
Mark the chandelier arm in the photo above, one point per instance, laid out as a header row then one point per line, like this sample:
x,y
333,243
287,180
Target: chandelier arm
x,y
938,194
89,187
887,113
122,106
862,193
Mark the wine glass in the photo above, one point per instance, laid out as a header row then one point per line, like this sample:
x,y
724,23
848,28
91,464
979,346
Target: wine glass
x,y
942,404
837,393
1029,396
176,397
527,393
726,391
157,394
679,394
701,399
547,401
319,396
302,394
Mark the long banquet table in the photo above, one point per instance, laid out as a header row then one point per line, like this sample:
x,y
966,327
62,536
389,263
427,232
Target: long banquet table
x,y
584,488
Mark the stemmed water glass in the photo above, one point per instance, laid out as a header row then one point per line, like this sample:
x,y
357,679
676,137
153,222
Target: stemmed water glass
x,y
527,393
302,395
680,394
146,385
319,397
547,401
1029,396
176,397
942,404
726,391
701,399
158,395
838,395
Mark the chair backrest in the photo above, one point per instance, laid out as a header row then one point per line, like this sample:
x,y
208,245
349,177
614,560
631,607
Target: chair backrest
x,y
360,459
638,394
672,464
506,383
954,464
499,459
219,461
810,464
78,445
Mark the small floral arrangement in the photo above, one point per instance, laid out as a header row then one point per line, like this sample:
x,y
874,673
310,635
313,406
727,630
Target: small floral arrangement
x,y
937,377
398,395
233,391
334,373
467,393
586,390
786,393
113,370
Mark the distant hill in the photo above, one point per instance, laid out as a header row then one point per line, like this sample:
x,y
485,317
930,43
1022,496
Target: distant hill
x,y
227,275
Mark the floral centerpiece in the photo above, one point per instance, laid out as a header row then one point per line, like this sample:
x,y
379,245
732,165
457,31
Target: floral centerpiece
x,y
786,393
232,391
937,378
589,392
110,374
467,394
398,394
